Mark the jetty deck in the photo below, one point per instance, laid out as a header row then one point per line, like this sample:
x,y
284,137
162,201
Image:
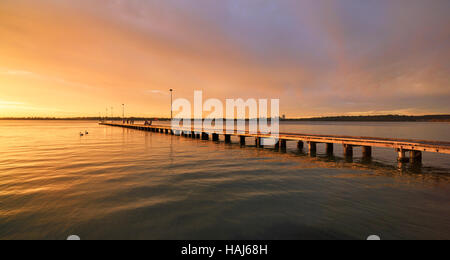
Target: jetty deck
x,y
403,147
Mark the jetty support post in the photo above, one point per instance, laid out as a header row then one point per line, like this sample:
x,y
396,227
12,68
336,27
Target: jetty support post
x,y
416,157
367,152
259,142
283,144
228,139
348,151
242,140
330,149
215,137
402,155
300,145
312,148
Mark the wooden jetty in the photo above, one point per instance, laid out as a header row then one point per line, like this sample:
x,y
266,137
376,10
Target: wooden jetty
x,y
403,147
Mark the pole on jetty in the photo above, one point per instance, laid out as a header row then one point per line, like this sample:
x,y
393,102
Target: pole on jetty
x,y
171,104
123,112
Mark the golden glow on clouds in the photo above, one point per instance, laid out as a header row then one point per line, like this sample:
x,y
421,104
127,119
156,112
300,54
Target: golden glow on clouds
x,y
75,58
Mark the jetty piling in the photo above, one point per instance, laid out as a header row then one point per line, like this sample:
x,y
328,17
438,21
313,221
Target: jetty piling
x,y
367,152
402,156
312,148
242,140
330,149
300,145
348,151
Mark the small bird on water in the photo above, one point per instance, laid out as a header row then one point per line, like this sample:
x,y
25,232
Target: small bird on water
x,y
81,134
86,132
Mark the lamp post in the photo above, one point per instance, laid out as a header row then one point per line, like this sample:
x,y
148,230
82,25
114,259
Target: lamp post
x,y
171,104
123,112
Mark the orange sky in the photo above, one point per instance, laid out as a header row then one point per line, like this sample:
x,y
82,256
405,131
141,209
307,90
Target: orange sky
x,y
68,58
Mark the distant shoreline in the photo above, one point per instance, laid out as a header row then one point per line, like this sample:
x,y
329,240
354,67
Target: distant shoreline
x,y
382,118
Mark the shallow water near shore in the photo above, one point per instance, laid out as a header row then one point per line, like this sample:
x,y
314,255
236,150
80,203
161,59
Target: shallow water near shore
x,y
124,184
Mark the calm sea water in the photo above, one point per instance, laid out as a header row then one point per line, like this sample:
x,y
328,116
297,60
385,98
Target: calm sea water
x,y
124,184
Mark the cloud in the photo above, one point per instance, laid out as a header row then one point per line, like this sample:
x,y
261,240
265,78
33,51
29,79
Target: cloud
x,y
37,76
5,102
17,73
15,105
28,110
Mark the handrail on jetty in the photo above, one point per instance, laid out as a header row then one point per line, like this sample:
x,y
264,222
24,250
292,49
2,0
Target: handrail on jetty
x,y
415,148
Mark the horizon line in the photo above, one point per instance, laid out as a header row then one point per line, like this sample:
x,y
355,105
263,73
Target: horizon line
x,y
168,118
